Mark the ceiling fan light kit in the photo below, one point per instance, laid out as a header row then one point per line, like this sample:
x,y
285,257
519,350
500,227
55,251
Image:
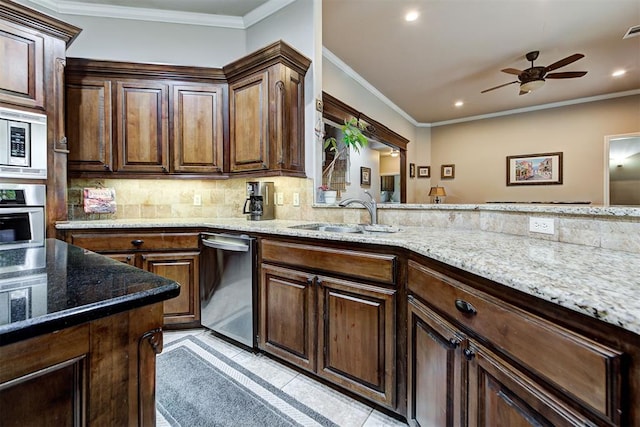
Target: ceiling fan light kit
x,y
534,77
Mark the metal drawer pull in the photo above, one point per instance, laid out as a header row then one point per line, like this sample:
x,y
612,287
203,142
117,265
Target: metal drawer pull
x,y
137,242
455,342
465,307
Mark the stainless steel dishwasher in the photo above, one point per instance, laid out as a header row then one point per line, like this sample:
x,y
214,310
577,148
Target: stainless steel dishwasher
x,y
227,286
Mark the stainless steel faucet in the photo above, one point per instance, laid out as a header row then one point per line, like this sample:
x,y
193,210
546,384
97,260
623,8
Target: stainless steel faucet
x,y
371,206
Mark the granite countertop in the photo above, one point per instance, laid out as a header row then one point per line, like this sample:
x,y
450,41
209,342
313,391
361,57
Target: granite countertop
x,y
601,283
61,285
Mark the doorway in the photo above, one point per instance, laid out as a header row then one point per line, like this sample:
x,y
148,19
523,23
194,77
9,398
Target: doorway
x,y
622,169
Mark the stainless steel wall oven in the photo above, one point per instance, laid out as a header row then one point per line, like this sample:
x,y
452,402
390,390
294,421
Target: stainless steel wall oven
x,y
22,215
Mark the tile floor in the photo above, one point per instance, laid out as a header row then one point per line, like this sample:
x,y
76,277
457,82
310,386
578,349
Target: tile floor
x,y
337,407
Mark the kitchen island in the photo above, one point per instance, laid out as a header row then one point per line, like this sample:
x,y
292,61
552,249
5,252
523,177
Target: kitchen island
x,y
79,333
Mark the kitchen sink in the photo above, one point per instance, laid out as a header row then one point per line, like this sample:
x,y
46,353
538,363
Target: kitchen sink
x,y
347,228
333,228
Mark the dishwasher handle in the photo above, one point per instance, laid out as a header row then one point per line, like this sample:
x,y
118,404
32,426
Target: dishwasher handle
x,y
225,243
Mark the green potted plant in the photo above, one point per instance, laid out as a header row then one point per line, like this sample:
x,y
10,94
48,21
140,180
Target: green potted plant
x,y
352,137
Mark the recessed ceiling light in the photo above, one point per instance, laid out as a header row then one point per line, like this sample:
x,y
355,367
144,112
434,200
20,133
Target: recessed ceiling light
x,y
411,16
459,104
618,73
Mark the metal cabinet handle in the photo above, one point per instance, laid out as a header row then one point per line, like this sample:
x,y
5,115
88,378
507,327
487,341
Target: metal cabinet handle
x,y
164,169
468,354
455,342
137,242
465,307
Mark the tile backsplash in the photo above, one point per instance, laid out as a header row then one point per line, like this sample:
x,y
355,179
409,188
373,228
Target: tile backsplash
x,y
166,198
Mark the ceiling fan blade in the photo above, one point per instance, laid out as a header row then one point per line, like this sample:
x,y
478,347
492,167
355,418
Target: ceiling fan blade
x,y
565,75
511,71
566,61
523,92
498,87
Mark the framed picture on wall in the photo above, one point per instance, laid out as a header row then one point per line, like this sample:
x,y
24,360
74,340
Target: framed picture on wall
x,y
535,169
412,170
424,171
447,171
365,176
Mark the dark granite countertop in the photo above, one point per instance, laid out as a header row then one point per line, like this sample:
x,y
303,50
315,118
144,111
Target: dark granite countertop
x,y
46,289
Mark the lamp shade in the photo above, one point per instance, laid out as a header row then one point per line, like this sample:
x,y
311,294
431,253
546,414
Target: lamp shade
x,y
437,191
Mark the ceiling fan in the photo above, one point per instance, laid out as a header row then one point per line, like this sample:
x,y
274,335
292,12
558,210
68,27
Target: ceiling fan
x,y
534,77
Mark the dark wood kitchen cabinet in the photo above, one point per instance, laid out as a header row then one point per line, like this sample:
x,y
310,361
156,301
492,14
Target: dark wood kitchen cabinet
x,y
476,360
133,120
266,111
174,255
339,328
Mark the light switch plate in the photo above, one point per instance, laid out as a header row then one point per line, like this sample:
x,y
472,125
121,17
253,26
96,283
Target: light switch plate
x,y
280,199
296,199
197,200
541,225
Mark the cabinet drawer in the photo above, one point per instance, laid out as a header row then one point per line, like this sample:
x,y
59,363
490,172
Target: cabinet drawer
x,y
577,365
363,265
101,242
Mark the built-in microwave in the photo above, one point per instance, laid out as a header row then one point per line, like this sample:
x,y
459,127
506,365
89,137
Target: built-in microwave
x,y
23,144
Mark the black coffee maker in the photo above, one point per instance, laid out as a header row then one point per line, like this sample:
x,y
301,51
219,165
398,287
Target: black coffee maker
x,y
260,201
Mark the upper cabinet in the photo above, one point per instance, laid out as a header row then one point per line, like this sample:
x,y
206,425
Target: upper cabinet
x,y
125,119
266,111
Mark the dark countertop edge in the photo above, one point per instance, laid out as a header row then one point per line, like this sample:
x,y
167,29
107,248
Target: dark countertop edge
x,y
20,331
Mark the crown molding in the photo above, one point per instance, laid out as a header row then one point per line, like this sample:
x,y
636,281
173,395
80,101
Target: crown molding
x,y
158,15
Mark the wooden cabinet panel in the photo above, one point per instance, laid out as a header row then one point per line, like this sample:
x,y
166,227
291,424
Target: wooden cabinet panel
x,y
128,258
356,264
288,315
22,67
356,337
289,120
198,132
248,111
435,370
122,242
89,125
501,396
183,268
142,110
582,367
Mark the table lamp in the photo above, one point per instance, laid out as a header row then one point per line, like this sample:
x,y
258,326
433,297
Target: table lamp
x,y
437,193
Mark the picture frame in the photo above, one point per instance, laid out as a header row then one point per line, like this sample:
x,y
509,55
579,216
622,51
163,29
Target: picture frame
x,y
424,171
447,171
534,169
412,170
365,176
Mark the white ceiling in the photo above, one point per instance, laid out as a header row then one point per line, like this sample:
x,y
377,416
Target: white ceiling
x,y
457,48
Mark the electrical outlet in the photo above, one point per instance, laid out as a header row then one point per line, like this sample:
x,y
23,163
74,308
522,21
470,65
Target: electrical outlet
x,y
280,199
541,225
197,200
319,105
296,199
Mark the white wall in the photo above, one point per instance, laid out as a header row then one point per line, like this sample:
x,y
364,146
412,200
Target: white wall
x,y
299,25
152,42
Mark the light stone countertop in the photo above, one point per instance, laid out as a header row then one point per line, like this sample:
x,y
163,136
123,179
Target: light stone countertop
x,y
601,283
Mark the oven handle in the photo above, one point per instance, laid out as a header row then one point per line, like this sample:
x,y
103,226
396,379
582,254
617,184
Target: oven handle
x,y
228,245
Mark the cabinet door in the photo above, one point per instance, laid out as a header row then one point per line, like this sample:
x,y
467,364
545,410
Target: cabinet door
x,y
356,338
287,143
287,315
142,127
183,268
248,118
436,369
88,117
198,128
22,67
499,395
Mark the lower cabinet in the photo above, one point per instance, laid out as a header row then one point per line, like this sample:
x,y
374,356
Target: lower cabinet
x,y
173,255
477,361
100,373
339,329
